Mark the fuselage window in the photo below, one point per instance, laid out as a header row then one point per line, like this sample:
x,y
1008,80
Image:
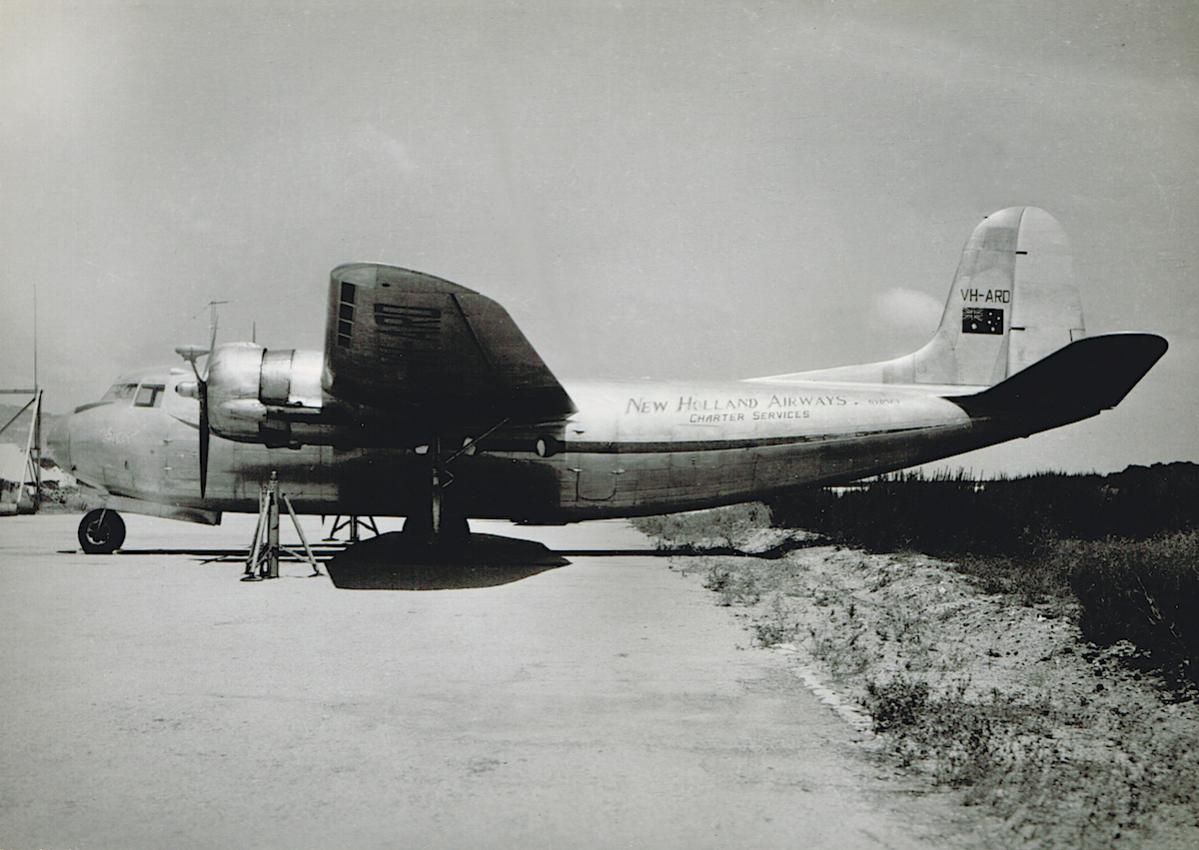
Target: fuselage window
x,y
149,395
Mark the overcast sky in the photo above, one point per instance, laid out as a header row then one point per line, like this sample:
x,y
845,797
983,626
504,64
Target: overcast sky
x,y
674,190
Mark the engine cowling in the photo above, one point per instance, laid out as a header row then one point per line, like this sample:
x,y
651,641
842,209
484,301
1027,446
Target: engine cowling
x,y
249,387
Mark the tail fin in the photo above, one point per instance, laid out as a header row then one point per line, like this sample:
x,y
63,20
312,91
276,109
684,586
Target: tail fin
x,y
1012,303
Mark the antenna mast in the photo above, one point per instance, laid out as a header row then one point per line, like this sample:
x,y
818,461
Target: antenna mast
x,y
212,315
36,385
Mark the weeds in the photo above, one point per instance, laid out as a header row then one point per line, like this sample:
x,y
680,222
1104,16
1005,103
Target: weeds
x,y
1062,766
735,586
898,704
839,650
951,514
724,527
1002,750
1045,539
1144,591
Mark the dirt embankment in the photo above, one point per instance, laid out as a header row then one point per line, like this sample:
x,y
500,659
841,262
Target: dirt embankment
x,y
1000,703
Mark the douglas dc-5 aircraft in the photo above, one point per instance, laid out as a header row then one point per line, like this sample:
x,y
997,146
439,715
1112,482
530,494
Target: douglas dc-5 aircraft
x,y
423,383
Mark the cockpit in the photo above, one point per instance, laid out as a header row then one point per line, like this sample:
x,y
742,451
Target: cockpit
x,y
144,391
119,391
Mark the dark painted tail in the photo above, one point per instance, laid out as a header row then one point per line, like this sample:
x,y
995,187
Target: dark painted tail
x,y
1075,382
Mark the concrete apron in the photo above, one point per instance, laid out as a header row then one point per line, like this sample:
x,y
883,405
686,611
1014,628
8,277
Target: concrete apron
x,y
154,701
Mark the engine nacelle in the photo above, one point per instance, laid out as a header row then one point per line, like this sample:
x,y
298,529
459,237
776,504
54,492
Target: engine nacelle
x,y
249,386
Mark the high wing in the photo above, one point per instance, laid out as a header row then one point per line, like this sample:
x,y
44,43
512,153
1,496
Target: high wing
x,y
403,342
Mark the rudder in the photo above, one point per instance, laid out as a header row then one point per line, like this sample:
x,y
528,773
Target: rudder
x,y
1013,302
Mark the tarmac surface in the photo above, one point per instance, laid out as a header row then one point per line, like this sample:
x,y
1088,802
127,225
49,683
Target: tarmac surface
x,y
153,700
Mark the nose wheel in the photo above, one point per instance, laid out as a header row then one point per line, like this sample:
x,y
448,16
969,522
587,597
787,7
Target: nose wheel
x,y
101,532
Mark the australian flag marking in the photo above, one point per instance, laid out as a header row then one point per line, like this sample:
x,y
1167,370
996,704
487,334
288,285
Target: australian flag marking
x,y
982,320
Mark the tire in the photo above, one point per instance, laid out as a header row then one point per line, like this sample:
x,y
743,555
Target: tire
x,y
101,532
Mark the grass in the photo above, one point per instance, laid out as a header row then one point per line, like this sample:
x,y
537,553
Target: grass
x,y
1143,591
948,514
1125,546
700,530
1059,763
1004,752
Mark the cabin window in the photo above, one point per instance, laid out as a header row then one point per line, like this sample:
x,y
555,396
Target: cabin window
x,y
149,395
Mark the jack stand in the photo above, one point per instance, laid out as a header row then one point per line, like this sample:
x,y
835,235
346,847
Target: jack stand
x,y
353,522
263,560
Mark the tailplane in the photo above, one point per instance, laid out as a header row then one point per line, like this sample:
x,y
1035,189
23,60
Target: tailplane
x,y
1013,302
1075,382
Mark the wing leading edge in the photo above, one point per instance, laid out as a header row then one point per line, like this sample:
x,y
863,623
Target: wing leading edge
x,y
405,342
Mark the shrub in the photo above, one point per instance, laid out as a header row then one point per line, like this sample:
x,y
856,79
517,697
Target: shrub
x,y
950,514
1143,591
898,704
961,742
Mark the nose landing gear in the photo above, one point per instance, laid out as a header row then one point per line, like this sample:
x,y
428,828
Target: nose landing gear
x,y
101,532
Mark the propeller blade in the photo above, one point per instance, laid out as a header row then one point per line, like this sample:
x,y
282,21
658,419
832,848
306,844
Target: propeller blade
x,y
204,435
211,349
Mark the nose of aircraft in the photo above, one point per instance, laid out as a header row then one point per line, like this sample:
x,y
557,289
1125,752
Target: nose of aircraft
x,y
58,443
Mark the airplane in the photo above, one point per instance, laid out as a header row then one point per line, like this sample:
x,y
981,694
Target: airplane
x,y
428,403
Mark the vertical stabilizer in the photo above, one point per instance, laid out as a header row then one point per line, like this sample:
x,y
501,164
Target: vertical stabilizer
x,y
1012,303
1046,308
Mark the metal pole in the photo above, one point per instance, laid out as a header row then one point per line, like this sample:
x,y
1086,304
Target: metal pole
x,y
28,465
272,539
37,451
252,560
36,385
316,571
16,415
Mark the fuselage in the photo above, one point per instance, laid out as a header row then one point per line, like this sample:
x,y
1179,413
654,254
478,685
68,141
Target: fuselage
x,y
631,449
422,382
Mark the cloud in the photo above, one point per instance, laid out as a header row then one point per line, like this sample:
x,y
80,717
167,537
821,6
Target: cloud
x,y
377,142
907,310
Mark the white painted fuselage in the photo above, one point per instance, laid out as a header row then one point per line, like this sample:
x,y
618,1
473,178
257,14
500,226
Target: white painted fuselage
x,y
631,449
398,402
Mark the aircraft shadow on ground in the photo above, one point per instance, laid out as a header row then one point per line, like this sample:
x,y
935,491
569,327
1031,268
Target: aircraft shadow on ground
x,y
393,562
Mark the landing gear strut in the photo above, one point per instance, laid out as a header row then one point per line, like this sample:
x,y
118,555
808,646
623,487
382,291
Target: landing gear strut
x,y
101,532
443,522
440,522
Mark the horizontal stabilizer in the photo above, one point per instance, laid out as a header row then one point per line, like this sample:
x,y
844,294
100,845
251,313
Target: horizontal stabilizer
x,y
1080,380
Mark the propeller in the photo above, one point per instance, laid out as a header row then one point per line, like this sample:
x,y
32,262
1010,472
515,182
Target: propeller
x,y
205,433
192,354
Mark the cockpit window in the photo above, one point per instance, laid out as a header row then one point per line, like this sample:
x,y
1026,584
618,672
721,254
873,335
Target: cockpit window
x,y
150,395
119,391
